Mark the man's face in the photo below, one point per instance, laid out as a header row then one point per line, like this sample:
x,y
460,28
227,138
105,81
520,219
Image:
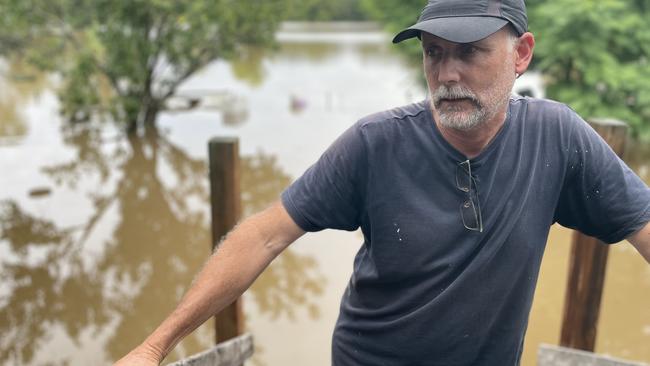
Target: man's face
x,y
470,83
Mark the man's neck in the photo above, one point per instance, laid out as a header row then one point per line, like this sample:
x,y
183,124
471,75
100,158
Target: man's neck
x,y
472,142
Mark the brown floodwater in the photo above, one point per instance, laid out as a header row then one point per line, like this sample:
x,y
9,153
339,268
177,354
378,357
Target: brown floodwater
x,y
100,233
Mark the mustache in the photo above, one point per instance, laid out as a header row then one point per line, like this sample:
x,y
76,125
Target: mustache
x,y
454,92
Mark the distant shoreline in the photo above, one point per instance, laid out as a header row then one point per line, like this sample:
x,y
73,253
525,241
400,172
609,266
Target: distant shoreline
x,y
330,26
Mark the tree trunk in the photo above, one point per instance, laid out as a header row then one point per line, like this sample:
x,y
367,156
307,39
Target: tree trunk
x,y
150,115
132,126
146,117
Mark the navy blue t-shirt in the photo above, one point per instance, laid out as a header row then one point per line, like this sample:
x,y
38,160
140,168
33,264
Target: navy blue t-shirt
x,y
425,290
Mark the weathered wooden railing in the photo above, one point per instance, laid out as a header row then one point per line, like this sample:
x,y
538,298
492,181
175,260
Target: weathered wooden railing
x,y
230,353
548,355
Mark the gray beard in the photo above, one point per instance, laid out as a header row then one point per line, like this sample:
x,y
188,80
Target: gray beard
x,y
458,119
463,121
480,112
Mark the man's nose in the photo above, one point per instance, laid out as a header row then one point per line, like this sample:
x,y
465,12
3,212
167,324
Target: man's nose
x,y
448,70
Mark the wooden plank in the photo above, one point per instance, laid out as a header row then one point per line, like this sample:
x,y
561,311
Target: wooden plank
x,y
548,355
587,265
226,211
231,353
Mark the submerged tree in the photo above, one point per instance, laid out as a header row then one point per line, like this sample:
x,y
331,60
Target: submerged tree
x,y
128,57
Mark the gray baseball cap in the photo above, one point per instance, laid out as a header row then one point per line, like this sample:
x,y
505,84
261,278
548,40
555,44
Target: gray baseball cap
x,y
464,21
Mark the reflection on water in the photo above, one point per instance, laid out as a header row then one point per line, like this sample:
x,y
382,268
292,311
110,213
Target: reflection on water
x,y
313,52
133,256
29,295
19,84
89,269
142,218
248,66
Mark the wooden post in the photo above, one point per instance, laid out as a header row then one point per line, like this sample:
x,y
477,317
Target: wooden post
x,y
226,210
587,265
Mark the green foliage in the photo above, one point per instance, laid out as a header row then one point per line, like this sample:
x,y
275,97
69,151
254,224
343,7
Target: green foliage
x,y
127,57
397,15
318,10
595,56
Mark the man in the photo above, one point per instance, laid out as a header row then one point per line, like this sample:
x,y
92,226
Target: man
x,y
455,197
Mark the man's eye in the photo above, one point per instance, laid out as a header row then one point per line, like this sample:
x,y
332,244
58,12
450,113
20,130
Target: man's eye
x,y
433,52
468,50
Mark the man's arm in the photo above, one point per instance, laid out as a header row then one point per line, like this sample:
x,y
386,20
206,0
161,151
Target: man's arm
x,y
641,241
241,257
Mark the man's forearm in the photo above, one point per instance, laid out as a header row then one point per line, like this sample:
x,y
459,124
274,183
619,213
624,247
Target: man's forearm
x,y
240,258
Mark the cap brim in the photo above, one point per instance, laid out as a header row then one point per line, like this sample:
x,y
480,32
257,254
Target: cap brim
x,y
454,29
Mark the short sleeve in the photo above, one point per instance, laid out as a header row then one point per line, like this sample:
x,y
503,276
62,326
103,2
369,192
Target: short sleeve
x,y
330,194
601,195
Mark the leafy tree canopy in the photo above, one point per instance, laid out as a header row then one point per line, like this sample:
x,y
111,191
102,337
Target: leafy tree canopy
x,y
128,57
594,54
318,10
397,15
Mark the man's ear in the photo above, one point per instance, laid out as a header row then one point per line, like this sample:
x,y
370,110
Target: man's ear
x,y
524,52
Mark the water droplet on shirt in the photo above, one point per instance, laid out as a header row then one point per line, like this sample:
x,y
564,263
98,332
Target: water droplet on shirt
x,y
398,232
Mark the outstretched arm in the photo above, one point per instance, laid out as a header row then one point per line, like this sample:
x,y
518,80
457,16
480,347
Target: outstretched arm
x,y
241,257
641,241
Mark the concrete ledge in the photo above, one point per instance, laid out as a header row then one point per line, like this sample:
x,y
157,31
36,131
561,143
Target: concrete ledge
x,y
231,353
549,355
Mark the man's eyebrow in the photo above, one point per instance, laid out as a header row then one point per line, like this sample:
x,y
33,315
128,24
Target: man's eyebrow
x,y
477,44
481,43
429,42
484,43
